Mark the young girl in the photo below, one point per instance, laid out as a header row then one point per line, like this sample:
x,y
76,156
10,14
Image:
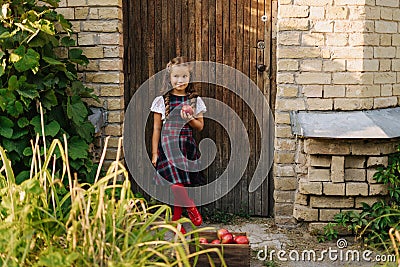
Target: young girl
x,y
177,91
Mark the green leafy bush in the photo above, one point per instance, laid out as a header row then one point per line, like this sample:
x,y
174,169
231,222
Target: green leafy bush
x,y
373,222
31,72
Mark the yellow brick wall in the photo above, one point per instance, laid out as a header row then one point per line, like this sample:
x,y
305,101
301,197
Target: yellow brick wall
x,y
331,55
97,26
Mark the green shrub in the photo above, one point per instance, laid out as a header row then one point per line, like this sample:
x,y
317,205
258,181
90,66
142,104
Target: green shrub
x,y
43,225
31,72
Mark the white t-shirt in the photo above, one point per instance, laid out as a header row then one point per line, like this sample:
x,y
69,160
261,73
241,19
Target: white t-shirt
x,y
158,106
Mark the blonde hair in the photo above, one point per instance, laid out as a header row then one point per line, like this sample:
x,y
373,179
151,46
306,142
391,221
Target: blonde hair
x,y
167,86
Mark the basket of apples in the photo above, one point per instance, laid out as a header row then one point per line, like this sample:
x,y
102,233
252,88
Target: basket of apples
x,y
234,247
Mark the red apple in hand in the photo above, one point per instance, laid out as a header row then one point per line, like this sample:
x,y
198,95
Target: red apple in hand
x,y
222,232
188,109
227,239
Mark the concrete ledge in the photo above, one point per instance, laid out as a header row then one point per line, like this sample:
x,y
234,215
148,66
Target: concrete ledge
x,y
379,123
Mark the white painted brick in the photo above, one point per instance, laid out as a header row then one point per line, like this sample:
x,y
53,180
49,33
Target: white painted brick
x,y
349,2
358,13
317,12
349,26
353,103
334,91
384,77
288,65
334,65
385,65
323,26
396,89
385,27
371,64
299,52
289,38
362,39
337,39
285,77
293,24
315,90
290,104
289,11
362,90
352,52
372,12
313,3
282,117
396,39
319,104
396,64
287,90
396,14
311,65
313,78
390,3
352,78
386,13
363,65
384,52
385,102
313,39
337,12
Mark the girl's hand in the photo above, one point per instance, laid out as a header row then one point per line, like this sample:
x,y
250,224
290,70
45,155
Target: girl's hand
x,y
154,159
186,116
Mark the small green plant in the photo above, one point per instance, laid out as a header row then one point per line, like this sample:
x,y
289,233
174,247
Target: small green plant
x,y
221,216
33,71
270,264
372,222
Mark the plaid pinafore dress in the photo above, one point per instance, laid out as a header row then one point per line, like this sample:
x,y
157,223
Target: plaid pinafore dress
x,y
175,140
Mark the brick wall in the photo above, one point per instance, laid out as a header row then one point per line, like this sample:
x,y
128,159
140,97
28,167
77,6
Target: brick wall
x,y
97,26
331,55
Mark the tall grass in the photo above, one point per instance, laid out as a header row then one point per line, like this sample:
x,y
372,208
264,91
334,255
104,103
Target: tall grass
x,y
44,223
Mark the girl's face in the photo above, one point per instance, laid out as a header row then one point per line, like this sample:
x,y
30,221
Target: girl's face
x,y
180,77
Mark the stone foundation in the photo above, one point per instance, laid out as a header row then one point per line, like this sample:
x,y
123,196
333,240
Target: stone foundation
x,y
337,175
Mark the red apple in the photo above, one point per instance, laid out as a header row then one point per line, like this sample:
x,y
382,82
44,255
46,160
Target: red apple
x,y
216,241
227,239
203,240
187,109
222,232
241,239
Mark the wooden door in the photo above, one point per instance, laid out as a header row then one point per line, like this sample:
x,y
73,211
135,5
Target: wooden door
x,y
232,32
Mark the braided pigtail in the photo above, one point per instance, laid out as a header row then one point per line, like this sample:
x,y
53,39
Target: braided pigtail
x,y
193,99
167,104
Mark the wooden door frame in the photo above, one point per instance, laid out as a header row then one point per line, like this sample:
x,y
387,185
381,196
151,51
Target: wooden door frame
x,y
269,60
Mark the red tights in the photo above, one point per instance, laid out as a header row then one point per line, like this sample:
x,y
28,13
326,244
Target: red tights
x,y
182,199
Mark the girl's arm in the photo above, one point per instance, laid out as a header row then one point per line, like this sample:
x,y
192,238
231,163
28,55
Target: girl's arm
x,y
156,137
196,123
